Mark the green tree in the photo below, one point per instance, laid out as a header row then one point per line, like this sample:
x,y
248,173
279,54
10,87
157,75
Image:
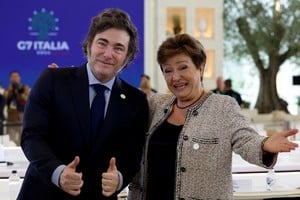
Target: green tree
x,y
267,33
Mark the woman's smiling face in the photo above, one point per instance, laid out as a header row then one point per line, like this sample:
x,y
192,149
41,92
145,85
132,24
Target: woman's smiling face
x,y
182,77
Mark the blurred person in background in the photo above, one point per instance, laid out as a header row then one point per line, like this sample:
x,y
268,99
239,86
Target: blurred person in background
x,y
145,86
220,86
1,89
234,94
2,105
15,95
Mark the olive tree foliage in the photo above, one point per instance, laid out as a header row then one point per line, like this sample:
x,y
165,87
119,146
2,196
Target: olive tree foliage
x,y
265,35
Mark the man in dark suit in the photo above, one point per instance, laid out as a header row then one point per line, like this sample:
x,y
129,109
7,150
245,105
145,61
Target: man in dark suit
x,y
67,160
234,94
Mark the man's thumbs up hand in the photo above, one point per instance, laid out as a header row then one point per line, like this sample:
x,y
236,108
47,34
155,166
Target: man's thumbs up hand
x,y
74,163
70,180
110,179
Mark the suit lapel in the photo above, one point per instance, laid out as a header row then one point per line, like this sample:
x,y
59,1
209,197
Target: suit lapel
x,y
80,97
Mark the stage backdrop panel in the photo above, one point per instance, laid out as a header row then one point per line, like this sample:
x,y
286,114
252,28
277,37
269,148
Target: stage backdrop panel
x,y
36,33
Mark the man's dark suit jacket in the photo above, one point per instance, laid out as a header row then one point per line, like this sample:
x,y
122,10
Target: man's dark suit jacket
x,y
57,128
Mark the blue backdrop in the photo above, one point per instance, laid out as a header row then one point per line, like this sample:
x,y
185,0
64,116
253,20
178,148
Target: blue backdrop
x,y
28,46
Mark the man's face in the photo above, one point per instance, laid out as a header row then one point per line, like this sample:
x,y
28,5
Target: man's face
x,y
107,54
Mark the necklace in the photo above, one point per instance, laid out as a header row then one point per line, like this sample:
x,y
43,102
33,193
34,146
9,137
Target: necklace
x,y
184,107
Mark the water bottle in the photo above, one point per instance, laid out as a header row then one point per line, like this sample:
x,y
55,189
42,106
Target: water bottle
x,y
14,185
271,180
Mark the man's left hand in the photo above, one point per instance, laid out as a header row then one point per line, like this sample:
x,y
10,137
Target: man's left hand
x,y
110,179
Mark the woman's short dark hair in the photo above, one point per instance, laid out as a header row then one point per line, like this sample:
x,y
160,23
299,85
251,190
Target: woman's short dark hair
x,y
113,18
182,43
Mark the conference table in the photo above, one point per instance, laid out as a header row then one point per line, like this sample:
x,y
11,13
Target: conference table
x,y
252,186
249,181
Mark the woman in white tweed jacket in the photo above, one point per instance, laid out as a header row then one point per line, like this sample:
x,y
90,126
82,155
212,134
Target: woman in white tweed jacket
x,y
188,150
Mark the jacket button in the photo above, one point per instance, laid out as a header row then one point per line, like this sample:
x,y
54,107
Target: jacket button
x,y
183,169
185,137
195,113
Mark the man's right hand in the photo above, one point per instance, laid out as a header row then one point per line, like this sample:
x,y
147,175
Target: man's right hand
x,y
70,180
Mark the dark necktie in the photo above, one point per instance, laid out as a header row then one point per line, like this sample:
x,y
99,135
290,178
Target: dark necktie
x,y
97,108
